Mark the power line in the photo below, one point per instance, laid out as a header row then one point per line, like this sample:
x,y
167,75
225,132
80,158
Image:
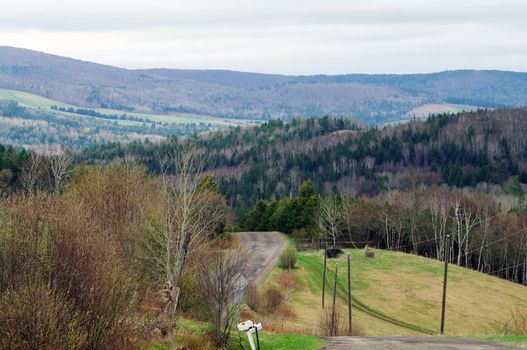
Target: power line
x,y
489,274
494,242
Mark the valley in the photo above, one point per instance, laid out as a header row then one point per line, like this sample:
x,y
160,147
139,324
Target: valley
x,y
149,208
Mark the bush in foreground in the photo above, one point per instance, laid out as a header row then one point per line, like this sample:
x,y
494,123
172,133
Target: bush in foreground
x,y
288,259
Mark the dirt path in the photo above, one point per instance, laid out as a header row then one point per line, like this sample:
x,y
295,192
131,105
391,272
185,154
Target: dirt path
x,y
411,343
263,249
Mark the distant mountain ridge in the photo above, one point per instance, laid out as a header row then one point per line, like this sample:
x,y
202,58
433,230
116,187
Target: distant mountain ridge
x,y
376,98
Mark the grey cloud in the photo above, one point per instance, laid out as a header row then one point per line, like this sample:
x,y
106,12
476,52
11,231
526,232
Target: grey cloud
x,y
510,16
282,36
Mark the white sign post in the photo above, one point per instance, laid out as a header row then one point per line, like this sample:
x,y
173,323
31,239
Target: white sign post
x,y
249,328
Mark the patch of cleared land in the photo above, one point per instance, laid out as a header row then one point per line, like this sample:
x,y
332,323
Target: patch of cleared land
x,y
436,108
38,102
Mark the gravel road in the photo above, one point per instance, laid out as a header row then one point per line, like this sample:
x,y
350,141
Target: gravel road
x,y
263,250
411,343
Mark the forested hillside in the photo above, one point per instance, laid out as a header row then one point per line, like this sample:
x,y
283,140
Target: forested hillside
x,y
375,99
475,149
403,187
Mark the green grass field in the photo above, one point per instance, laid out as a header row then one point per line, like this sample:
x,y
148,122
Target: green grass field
x,y
400,294
38,102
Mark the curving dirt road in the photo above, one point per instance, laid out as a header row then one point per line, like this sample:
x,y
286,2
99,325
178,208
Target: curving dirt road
x,y
263,250
411,343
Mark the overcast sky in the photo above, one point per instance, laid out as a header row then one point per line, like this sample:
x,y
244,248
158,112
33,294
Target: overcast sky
x,y
276,36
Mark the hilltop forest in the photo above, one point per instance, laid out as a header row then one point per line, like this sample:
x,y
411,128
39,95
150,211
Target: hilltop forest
x,y
481,149
400,187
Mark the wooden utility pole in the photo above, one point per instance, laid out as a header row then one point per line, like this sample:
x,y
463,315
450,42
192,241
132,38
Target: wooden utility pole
x,y
349,296
445,280
333,309
324,277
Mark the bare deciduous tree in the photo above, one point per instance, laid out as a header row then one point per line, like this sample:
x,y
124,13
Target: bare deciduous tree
x,y
330,219
31,173
439,206
59,168
221,287
187,219
466,219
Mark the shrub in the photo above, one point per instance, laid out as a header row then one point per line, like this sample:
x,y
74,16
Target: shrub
x,y
252,298
89,270
55,256
38,317
189,292
287,281
288,259
331,323
516,324
300,234
273,297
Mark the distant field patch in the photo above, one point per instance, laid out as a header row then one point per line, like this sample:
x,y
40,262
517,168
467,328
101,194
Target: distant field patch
x,y
38,102
434,108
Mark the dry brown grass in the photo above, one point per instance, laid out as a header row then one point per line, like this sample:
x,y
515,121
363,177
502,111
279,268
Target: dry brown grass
x,y
285,311
515,324
409,288
287,281
272,298
412,289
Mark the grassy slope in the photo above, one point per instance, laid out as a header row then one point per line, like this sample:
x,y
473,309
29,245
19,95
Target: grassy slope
x,y
38,102
404,288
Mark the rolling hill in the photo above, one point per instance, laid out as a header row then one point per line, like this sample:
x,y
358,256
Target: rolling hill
x,y
398,294
376,99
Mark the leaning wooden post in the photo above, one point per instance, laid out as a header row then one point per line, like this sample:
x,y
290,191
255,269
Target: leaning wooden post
x,y
349,296
324,277
333,310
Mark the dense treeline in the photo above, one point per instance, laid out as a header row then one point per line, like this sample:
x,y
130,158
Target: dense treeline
x,y
11,164
272,160
94,113
284,215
